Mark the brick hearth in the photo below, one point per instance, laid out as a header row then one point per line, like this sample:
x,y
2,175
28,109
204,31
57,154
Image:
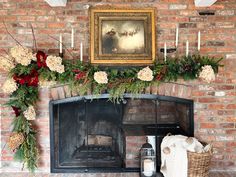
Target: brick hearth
x,y
215,103
213,174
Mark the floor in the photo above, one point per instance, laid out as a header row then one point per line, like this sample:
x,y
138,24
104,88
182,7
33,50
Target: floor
x,y
221,174
213,174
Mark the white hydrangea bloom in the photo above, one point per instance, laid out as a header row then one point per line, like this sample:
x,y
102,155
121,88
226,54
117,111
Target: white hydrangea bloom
x,y
6,63
21,55
207,74
9,86
101,77
146,74
54,64
29,113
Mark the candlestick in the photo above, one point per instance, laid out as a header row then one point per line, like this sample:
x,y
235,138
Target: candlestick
x,y
60,43
72,38
187,45
199,41
61,55
81,52
177,37
165,51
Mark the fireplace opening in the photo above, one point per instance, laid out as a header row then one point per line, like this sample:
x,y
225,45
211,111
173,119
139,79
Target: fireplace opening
x,y
99,134
92,134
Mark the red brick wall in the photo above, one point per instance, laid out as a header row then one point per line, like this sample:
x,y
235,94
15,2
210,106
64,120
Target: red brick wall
x,y
215,104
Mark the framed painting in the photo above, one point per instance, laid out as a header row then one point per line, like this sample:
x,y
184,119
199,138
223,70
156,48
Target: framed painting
x,y
122,36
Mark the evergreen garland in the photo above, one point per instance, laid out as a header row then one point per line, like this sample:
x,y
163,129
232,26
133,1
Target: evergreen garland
x,y
79,77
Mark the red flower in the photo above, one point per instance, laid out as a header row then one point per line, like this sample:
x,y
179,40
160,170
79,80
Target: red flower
x,y
31,79
16,110
34,79
76,70
159,77
19,79
80,75
41,59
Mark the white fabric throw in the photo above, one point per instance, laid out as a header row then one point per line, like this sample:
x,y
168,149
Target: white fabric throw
x,y
174,149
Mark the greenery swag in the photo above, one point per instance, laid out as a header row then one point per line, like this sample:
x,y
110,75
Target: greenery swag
x,y
27,75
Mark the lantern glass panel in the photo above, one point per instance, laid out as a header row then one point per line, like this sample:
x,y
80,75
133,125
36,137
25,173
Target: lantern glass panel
x,y
148,162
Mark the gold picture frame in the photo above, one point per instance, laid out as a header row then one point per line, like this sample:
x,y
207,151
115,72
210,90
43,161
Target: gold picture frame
x,y
122,36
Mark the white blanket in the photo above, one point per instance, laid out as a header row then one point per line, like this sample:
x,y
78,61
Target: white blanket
x,y
174,149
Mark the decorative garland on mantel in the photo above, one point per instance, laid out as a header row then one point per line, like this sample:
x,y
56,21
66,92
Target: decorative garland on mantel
x,y
28,71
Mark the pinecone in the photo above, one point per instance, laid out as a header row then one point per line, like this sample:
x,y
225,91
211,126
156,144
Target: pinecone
x,y
15,140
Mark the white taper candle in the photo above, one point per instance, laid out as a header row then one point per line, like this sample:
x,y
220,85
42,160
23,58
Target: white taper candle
x,y
199,41
187,45
60,40
165,51
148,167
81,52
72,37
177,37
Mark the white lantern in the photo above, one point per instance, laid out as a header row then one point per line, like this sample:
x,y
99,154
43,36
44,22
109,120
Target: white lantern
x,y
148,161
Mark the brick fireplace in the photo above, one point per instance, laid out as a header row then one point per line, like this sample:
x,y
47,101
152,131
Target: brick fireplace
x,y
214,104
93,134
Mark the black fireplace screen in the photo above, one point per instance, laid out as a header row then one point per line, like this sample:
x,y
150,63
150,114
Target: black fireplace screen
x,y
89,135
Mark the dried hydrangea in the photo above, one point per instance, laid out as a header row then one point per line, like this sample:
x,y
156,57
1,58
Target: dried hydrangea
x,y
146,74
46,83
55,64
29,113
21,55
9,86
7,63
207,74
15,140
100,77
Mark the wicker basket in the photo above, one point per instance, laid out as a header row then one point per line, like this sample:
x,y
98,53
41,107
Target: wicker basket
x,y
199,164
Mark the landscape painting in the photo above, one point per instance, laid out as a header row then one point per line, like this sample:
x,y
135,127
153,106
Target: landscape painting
x,y
122,36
